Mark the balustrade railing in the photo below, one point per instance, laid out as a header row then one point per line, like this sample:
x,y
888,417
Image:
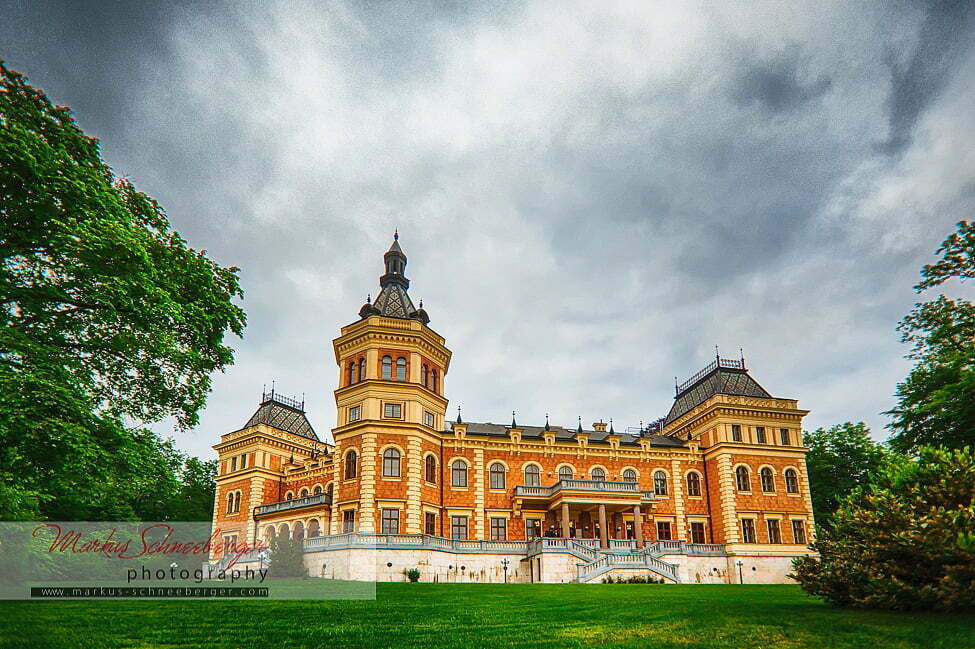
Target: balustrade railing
x,y
294,503
613,486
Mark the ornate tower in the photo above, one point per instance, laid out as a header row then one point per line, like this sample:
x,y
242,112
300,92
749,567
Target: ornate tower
x,y
390,406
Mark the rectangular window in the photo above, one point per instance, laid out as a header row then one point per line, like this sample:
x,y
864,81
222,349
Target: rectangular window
x,y
697,532
428,419
390,521
243,461
233,463
499,529
747,530
348,521
458,527
533,528
230,543
735,433
799,532
663,531
774,533
430,523
355,413
760,434
784,436
393,410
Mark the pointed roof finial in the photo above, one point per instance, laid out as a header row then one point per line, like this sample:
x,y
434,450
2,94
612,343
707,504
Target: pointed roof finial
x,y
611,431
459,420
546,422
421,302
716,354
741,352
579,429
396,234
368,298
676,387
514,424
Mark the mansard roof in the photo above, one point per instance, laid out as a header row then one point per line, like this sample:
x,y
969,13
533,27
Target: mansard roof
x,y
489,429
284,414
394,302
721,376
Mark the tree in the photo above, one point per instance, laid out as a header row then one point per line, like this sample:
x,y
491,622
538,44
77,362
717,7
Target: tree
x,y
839,460
108,320
904,541
287,558
936,403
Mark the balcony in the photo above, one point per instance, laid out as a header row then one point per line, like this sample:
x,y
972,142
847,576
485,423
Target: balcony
x,y
603,486
295,503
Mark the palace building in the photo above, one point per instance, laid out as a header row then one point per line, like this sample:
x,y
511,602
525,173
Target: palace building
x,y
714,492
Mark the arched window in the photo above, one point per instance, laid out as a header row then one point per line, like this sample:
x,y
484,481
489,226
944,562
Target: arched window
x,y
659,483
351,373
629,475
693,484
391,463
458,473
362,369
430,464
290,495
532,475
597,474
270,533
387,368
284,531
743,479
330,490
496,472
768,481
299,531
425,375
351,465
303,493
318,490
791,481
230,502
434,382
313,529
400,369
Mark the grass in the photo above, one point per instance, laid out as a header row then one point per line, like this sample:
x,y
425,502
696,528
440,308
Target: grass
x,y
486,615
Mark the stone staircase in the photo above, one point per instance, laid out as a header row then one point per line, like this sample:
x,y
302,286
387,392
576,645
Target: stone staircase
x,y
647,559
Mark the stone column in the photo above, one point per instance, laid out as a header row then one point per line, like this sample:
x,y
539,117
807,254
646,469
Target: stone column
x,y
565,520
638,526
603,532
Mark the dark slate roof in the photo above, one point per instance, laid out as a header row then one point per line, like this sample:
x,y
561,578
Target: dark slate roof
x,y
282,417
720,380
563,434
394,302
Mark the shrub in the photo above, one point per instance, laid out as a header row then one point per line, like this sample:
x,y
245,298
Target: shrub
x,y
904,541
413,574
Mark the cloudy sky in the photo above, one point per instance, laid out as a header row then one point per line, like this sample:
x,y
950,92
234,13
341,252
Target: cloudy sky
x,y
592,196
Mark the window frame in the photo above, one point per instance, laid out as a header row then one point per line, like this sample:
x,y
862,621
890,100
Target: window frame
x,y
660,483
430,469
536,472
693,486
566,472
459,522
636,478
459,467
766,478
735,432
760,437
499,528
742,470
430,523
351,468
392,462
355,414
597,469
401,369
661,527
785,439
773,524
429,419
394,407
497,476
389,516
348,521
800,525
531,523
791,481
698,525
748,530
387,368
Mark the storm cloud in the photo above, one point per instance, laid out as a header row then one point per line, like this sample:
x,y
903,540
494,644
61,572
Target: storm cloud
x,y
591,196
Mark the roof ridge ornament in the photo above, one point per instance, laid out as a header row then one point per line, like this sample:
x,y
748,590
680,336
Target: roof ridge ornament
x,y
514,424
579,429
611,431
546,422
459,420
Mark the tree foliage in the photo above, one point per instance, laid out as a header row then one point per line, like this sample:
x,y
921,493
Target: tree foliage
x,y
936,402
904,541
108,318
839,459
287,558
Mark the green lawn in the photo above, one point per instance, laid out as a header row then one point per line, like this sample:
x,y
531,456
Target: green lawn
x,y
475,615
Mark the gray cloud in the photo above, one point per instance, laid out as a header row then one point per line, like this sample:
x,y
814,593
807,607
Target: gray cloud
x,y
590,199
